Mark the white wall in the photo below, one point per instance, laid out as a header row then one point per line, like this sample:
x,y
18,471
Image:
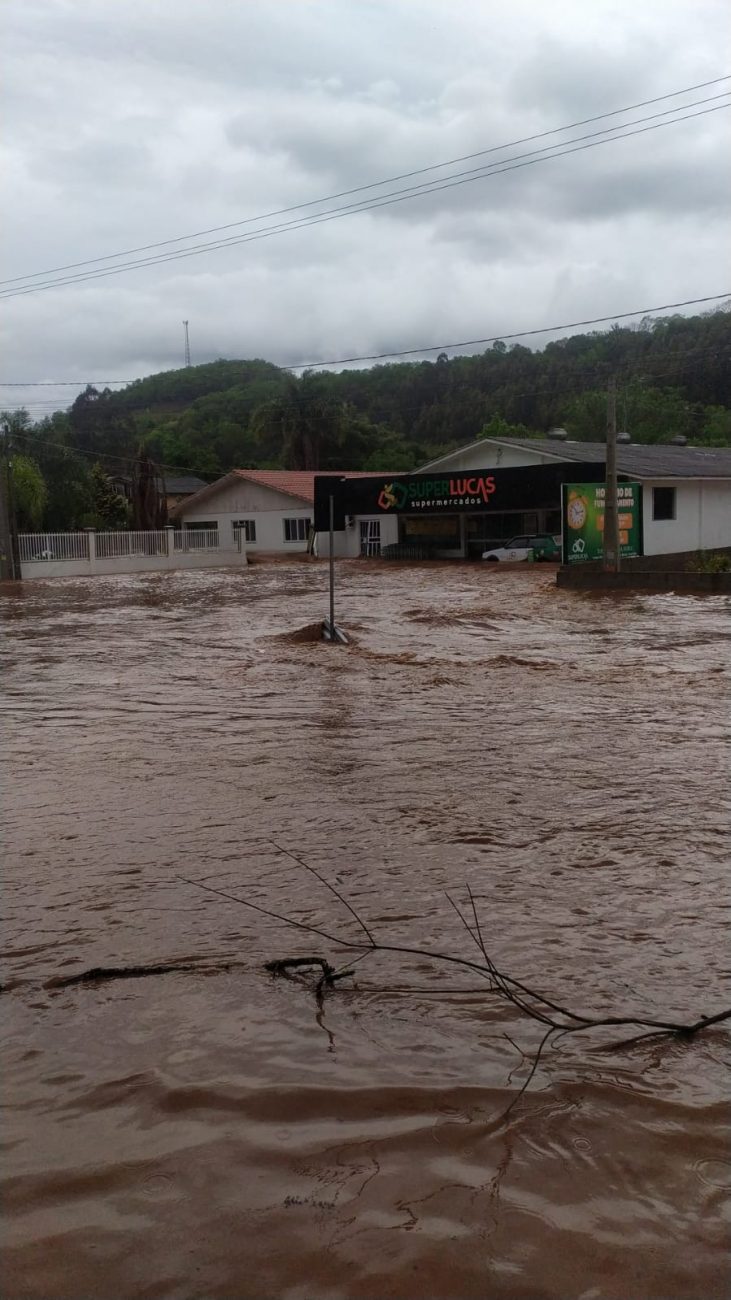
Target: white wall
x,y
347,541
132,564
702,516
246,500
269,508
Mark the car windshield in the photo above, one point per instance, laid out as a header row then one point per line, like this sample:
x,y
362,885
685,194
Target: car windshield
x,y
516,543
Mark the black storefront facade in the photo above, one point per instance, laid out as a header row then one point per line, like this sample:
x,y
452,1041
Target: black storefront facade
x,y
451,514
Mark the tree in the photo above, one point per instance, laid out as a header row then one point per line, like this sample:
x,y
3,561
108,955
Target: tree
x,y
306,421
28,493
497,427
67,474
99,424
109,509
149,507
15,425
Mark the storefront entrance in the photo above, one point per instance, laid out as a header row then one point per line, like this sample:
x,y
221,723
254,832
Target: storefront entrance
x,y
370,537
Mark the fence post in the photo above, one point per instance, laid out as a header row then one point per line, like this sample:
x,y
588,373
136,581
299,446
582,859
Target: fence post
x,y
91,548
170,544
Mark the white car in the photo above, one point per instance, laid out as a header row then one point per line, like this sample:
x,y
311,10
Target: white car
x,y
540,546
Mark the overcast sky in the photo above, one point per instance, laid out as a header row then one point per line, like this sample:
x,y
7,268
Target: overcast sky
x,y
133,121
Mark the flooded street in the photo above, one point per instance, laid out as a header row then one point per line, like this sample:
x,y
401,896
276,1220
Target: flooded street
x,y
212,1133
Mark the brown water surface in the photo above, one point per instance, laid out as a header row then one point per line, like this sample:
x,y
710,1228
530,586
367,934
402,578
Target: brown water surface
x,y
212,1134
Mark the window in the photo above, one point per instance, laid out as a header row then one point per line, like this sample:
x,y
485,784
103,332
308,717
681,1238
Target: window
x,y
296,530
201,525
247,527
663,503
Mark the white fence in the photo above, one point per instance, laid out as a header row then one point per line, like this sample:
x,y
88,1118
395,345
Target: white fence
x,y
197,539
117,546
44,555
53,546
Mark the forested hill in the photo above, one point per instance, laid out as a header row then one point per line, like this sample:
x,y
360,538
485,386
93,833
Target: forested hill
x,y
673,377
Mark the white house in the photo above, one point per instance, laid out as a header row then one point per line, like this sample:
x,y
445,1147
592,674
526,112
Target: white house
x,y
274,510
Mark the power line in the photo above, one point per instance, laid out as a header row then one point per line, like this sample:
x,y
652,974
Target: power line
x,y
62,383
590,376
390,180
518,334
367,206
432,347
399,196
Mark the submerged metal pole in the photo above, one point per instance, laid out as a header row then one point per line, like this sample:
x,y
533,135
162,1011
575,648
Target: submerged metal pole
x,y
329,630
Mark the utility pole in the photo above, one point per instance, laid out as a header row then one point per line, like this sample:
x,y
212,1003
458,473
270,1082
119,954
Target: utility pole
x,y
187,343
9,560
610,561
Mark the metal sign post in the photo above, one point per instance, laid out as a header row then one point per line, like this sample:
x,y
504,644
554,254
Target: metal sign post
x,y
332,562
329,629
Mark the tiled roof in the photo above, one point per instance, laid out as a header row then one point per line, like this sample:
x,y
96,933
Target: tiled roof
x,y
296,483
640,460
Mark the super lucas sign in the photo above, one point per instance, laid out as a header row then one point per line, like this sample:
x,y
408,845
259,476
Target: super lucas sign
x,y
459,491
453,493
583,521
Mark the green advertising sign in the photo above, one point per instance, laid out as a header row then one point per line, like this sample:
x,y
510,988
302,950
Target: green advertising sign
x,y
583,521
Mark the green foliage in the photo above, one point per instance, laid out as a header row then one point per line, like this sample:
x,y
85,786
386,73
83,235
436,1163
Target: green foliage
x,y
710,562
29,492
497,427
714,426
209,418
109,511
66,474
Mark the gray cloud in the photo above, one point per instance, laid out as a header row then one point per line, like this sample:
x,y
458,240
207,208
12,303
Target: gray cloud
x,y
136,120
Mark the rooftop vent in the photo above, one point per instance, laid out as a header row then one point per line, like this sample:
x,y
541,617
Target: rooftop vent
x,y
557,435
624,437
680,440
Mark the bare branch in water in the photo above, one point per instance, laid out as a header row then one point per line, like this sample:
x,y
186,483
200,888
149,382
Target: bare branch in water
x,y
301,862
559,1020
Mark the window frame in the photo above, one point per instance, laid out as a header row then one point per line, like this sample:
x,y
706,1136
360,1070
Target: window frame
x,y
248,527
300,527
669,493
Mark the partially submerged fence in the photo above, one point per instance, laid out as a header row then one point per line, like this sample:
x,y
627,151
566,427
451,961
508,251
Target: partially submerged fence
x,y
201,539
53,546
118,546
74,554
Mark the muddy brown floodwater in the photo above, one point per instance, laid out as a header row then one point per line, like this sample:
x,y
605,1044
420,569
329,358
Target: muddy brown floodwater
x,y
197,1135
